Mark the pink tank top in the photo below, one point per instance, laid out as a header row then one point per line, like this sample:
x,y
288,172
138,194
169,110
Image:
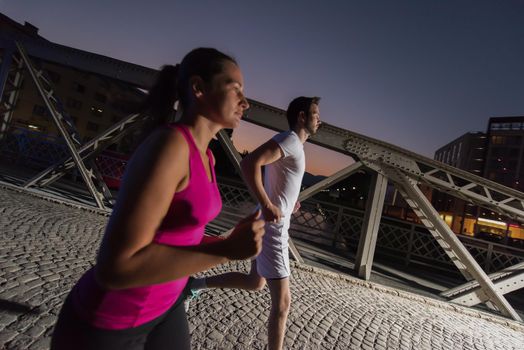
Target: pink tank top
x,y
189,212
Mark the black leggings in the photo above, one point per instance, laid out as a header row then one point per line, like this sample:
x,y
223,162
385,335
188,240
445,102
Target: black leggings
x,y
168,331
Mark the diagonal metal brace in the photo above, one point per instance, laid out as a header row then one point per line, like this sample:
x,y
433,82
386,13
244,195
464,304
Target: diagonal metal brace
x,y
430,218
87,151
63,131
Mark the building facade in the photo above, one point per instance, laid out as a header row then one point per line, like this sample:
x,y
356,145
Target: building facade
x,y
496,155
93,102
505,154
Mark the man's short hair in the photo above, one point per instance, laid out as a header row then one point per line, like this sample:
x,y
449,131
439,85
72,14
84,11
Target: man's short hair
x,y
299,104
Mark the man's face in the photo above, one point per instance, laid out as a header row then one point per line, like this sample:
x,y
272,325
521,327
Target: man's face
x,y
313,119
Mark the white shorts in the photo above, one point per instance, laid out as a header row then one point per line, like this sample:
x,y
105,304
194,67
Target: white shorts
x,y
273,261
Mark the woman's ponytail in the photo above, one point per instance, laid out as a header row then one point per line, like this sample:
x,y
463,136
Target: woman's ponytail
x,y
162,96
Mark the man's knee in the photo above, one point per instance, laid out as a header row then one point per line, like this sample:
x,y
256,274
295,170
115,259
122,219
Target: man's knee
x,y
281,307
257,283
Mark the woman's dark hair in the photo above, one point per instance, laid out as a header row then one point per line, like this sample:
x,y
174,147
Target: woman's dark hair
x,y
203,62
172,84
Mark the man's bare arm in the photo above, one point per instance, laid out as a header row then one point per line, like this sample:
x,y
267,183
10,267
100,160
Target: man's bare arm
x,y
252,165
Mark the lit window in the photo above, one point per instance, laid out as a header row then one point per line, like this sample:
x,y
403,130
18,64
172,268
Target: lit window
x,y
96,111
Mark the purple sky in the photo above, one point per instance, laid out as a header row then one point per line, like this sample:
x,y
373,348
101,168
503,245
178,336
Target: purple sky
x,y
415,73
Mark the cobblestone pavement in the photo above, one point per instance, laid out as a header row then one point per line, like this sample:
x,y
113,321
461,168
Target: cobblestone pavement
x,y
45,246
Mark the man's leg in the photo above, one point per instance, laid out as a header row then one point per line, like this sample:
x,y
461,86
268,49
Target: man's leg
x,y
251,281
280,305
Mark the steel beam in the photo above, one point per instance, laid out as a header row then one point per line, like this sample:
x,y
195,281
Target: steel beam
x,y
370,226
231,152
340,140
6,66
448,240
515,269
11,68
371,151
329,181
478,295
86,174
88,150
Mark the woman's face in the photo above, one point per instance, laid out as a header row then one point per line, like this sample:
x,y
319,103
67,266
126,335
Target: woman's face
x,y
224,96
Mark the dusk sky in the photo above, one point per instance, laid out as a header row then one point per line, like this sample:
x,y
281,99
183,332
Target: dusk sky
x,y
417,73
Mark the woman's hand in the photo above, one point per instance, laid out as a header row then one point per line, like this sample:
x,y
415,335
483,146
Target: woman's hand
x,y
246,239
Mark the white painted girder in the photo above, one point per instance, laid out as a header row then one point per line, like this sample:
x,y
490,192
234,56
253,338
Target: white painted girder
x,y
447,239
370,151
503,286
515,269
12,68
340,140
60,124
370,226
87,150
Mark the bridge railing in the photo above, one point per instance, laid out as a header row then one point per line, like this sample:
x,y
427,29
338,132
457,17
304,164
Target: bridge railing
x,y
35,150
324,223
336,226
32,149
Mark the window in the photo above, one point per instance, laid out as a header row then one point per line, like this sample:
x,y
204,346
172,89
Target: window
x,y
41,111
53,76
92,126
500,126
97,112
514,152
122,106
104,84
79,87
100,97
516,126
513,140
498,151
498,140
73,103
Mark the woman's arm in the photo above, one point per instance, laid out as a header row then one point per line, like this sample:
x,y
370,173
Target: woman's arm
x,y
128,257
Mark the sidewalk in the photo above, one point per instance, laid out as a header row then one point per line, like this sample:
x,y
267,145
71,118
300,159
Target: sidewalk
x,y
45,246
